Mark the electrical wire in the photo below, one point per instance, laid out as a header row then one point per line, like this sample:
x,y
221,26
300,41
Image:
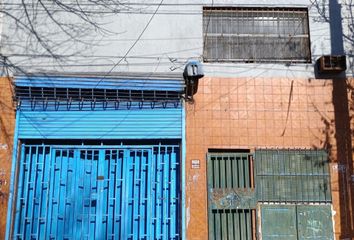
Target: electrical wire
x,y
132,46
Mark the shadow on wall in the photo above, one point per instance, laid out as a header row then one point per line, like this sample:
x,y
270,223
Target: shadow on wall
x,y
349,37
338,130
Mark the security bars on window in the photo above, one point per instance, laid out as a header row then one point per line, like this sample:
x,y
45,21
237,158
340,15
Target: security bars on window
x,y
256,35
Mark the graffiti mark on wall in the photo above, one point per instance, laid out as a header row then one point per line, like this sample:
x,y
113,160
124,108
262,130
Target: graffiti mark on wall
x,y
315,226
230,200
233,198
3,146
3,182
339,167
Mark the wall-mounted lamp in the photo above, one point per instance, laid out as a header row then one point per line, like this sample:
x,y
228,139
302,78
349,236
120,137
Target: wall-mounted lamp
x,y
191,74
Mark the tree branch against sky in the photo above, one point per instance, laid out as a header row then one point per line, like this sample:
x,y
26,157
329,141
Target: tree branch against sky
x,y
53,29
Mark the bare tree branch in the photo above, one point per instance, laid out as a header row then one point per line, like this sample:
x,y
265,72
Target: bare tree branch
x,y
53,29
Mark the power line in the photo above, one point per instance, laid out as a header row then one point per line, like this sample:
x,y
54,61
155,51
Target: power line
x,y
132,46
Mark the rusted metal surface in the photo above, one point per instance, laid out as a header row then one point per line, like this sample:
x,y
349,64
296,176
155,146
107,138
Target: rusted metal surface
x,y
235,198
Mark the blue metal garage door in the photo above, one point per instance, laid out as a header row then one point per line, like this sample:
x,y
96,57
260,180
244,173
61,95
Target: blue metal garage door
x,y
98,192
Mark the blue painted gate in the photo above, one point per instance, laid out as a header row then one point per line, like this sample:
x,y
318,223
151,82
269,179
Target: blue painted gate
x,y
98,192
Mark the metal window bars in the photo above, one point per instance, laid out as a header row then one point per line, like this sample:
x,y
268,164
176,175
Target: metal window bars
x,y
89,99
256,34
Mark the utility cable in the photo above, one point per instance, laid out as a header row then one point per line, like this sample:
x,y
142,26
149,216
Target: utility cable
x,y
132,46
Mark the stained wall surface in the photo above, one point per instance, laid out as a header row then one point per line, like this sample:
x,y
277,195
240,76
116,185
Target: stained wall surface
x,y
7,125
249,113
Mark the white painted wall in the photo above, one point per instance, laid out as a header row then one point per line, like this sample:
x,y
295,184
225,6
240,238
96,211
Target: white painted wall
x,y
174,36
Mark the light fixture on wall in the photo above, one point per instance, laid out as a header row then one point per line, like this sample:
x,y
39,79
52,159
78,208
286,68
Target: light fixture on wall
x,y
193,71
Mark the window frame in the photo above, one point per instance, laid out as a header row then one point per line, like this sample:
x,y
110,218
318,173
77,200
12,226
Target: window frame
x,y
304,47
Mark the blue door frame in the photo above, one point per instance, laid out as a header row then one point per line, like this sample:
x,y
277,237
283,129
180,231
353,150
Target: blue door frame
x,y
108,192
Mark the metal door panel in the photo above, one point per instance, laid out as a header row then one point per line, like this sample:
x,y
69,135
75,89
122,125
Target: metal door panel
x,y
231,196
315,222
292,176
279,222
98,193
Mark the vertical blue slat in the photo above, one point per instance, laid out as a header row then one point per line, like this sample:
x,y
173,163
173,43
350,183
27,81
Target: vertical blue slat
x,y
31,196
158,194
94,195
153,194
55,199
87,194
100,194
69,199
118,201
129,218
81,207
125,195
106,196
135,195
76,194
36,192
165,187
51,185
47,174
110,184
173,194
62,194
41,192
118,168
142,197
149,169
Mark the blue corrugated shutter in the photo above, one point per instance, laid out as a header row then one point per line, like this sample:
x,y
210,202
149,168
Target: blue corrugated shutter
x,y
110,124
99,108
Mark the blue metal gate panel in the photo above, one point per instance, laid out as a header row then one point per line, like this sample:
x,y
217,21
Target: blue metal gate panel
x,y
83,192
114,124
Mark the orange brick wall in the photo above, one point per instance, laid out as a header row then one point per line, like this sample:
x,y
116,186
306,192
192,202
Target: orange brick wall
x,y
7,120
246,113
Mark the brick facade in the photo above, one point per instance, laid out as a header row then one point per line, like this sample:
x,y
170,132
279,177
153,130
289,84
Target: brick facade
x,y
7,125
251,113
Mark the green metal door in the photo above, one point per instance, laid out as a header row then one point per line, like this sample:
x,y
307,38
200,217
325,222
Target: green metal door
x,y
315,222
296,222
231,196
279,222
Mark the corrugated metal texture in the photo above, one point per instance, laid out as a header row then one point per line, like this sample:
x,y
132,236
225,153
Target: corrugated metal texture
x,y
231,196
176,85
292,176
91,192
110,124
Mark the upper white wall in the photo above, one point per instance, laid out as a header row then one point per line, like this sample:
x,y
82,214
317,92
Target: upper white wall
x,y
174,36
